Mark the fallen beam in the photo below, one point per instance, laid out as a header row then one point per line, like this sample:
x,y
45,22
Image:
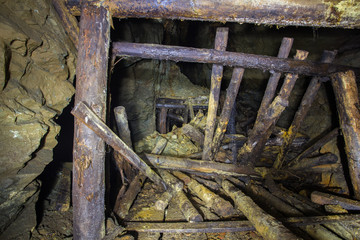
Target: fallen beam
x,y
89,149
267,226
325,198
243,60
92,121
231,226
316,13
347,102
190,165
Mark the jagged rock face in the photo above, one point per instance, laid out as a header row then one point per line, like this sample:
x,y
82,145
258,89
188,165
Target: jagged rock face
x,y
37,67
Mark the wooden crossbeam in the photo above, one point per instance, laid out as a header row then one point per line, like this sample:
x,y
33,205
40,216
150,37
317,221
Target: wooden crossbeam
x,y
315,13
244,60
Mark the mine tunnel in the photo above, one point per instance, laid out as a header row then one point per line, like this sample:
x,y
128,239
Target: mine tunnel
x,y
180,119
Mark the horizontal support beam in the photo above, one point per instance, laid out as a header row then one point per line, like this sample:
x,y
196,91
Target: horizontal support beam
x,y
231,226
315,13
234,59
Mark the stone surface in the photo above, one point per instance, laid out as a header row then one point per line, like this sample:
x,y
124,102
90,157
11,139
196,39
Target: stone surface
x,y
37,67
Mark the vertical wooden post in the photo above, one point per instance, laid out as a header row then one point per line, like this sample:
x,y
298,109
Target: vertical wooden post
x,y
89,149
221,39
162,120
348,106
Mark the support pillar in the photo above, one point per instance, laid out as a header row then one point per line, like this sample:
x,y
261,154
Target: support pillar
x,y
89,150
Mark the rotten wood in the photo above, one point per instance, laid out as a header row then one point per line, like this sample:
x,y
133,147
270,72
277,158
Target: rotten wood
x,y
318,144
221,40
89,149
186,164
348,107
187,208
231,94
232,226
234,59
306,102
306,163
268,226
69,22
272,84
82,112
314,13
124,202
254,146
326,198
193,133
213,201
162,120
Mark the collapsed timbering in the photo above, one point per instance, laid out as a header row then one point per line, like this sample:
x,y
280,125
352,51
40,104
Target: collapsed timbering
x,y
85,167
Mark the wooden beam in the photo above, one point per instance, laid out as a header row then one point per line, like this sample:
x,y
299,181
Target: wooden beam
x,y
265,224
326,198
190,165
83,113
348,106
69,22
315,13
221,39
306,102
232,226
231,94
243,60
89,149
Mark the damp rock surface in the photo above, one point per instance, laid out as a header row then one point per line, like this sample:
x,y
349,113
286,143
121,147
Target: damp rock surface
x,y
37,70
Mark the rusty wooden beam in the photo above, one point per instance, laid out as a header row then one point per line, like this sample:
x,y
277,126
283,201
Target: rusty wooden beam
x,y
315,13
347,101
243,60
221,39
89,149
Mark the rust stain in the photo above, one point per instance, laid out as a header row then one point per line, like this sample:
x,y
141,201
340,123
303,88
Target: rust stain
x,y
90,197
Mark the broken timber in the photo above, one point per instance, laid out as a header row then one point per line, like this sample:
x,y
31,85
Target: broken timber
x,y
92,121
315,13
265,224
190,165
231,226
306,102
325,198
243,60
221,40
89,149
348,107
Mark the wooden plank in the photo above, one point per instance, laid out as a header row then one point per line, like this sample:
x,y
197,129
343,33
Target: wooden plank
x,y
232,226
272,84
325,198
315,13
162,120
265,224
306,102
231,94
234,59
221,39
92,121
190,165
89,149
347,102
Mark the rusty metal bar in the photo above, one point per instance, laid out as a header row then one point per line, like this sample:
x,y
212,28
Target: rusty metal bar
x,y
315,13
89,150
234,59
221,39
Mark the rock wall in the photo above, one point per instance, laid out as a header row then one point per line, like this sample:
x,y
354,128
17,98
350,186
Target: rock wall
x,y
37,67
